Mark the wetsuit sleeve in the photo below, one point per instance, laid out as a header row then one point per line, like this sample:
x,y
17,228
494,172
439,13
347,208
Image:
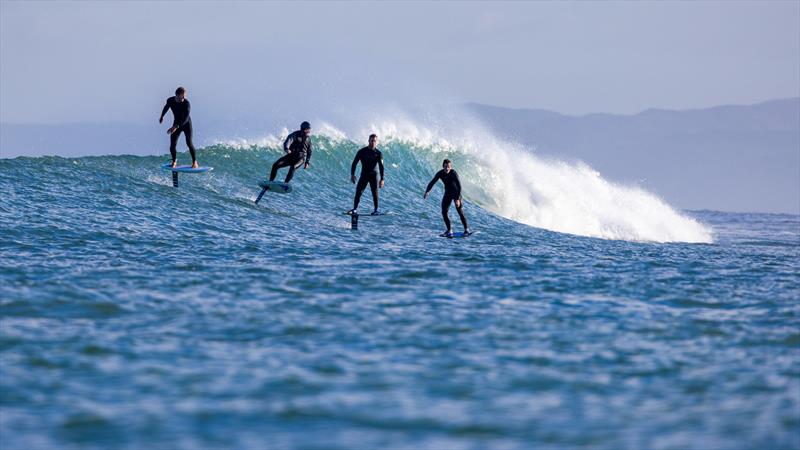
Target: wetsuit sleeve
x,y
185,119
433,181
165,109
287,144
457,183
355,163
380,163
308,152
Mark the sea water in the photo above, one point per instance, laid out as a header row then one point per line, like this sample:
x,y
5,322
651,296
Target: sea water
x,y
584,313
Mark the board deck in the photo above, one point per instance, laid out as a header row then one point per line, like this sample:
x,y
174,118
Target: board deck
x,y
185,168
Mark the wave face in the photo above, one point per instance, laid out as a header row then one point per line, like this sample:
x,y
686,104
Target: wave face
x,y
499,177
503,178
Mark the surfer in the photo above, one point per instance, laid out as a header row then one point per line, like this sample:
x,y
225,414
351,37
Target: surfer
x,y
298,149
369,157
452,193
181,123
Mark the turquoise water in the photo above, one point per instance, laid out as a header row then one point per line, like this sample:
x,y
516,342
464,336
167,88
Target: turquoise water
x,y
137,315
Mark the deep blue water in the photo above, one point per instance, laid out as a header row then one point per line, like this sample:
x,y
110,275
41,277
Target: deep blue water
x,y
137,315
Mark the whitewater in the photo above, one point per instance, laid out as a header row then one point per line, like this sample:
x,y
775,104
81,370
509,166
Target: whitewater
x,y
586,313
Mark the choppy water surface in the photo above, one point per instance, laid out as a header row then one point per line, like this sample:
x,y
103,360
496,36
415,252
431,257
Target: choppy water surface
x,y
136,315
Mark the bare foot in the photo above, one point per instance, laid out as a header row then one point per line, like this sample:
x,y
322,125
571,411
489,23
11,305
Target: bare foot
x,y
195,165
174,164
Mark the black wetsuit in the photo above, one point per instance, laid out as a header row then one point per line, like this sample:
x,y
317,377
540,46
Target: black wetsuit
x,y
181,120
452,192
298,148
369,158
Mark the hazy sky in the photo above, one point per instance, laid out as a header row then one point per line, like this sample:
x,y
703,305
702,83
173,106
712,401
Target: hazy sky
x,y
118,61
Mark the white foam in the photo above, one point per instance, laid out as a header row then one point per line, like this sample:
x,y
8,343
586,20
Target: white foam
x,y
267,140
272,140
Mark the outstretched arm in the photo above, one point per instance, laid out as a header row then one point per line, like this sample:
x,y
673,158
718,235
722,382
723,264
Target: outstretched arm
x,y
308,152
163,111
433,181
458,186
355,163
287,144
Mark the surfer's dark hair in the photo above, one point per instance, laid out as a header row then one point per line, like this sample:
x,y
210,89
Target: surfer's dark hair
x,y
180,90
373,135
447,161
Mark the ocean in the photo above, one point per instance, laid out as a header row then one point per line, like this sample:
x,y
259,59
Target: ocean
x,y
584,314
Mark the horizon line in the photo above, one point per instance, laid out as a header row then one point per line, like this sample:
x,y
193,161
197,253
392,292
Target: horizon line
x,y
468,103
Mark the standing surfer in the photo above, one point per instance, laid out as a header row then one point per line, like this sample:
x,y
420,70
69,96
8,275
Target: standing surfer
x,y
298,150
452,193
369,157
181,123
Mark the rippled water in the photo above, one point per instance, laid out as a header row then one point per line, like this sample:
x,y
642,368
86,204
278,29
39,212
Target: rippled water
x,y
136,315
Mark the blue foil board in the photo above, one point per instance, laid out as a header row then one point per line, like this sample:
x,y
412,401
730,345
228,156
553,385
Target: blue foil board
x,y
276,186
383,213
460,235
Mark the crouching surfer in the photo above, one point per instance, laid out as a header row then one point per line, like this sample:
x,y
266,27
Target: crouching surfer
x,y
298,151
